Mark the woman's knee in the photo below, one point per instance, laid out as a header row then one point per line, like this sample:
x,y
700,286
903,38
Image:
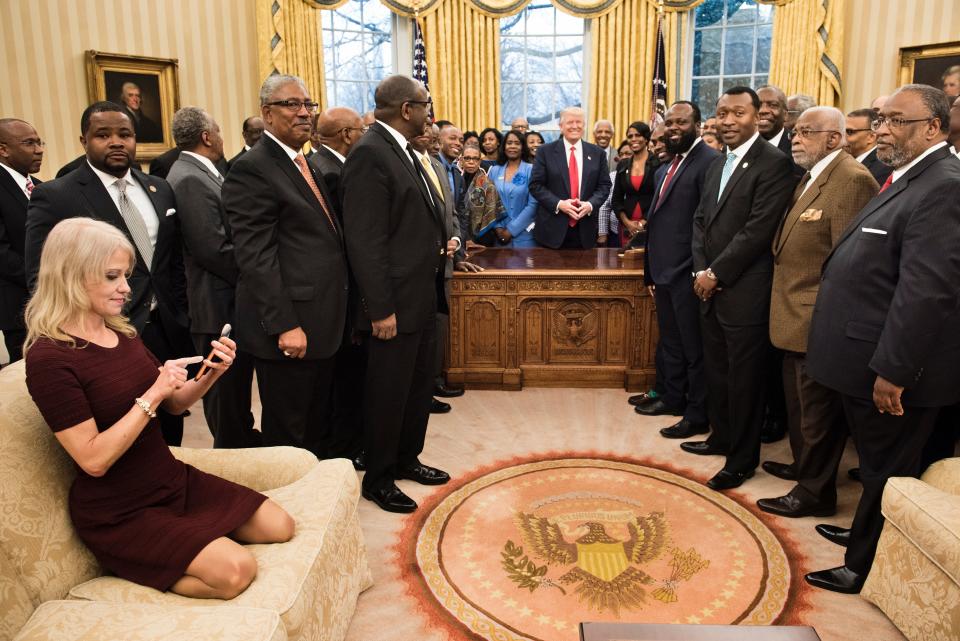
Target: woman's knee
x,y
286,527
238,573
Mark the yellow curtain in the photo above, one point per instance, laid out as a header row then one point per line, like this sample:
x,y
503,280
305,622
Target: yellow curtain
x,y
288,33
622,59
807,49
463,58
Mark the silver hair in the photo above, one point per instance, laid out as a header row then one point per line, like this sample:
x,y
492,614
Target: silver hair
x,y
803,101
188,126
571,111
273,83
833,119
934,100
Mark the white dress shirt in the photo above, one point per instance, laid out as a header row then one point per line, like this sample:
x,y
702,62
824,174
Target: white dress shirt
x,y
578,153
819,167
290,151
775,141
742,150
206,163
898,173
864,155
136,194
18,178
336,153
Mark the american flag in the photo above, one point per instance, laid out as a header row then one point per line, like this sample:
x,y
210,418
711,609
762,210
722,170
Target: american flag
x,y
420,58
659,96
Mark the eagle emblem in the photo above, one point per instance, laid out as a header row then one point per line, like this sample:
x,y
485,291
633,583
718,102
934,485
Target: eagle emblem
x,y
575,323
604,573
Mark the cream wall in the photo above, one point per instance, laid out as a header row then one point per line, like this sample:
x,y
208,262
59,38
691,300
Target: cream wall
x,y
43,72
874,31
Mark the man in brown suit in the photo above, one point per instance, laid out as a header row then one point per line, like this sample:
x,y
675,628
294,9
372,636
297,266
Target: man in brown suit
x,y
831,193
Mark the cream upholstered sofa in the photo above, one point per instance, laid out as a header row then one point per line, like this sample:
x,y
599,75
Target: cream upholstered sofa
x,y
51,586
915,578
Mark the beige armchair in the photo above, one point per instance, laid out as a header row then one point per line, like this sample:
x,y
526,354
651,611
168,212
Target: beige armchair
x,y
52,588
915,578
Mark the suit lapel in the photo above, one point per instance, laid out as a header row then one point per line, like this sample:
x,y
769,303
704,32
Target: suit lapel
x,y
11,186
165,228
691,158
101,205
561,154
407,161
744,165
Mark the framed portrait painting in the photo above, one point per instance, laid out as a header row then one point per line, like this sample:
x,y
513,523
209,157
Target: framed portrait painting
x,y
926,64
146,88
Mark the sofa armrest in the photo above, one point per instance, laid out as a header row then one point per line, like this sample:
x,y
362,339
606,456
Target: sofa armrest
x,y
928,517
260,469
944,475
66,620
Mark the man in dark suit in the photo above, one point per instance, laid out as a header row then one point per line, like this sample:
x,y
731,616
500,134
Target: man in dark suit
x,y
292,290
667,265
21,153
884,329
773,116
396,242
211,271
861,143
570,180
70,166
252,130
109,187
451,146
834,189
146,129
339,129
744,197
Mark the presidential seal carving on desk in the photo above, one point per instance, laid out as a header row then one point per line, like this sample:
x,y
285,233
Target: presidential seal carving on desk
x,y
575,324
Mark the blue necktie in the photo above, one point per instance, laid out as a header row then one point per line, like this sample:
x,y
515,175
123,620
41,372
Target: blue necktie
x,y
728,168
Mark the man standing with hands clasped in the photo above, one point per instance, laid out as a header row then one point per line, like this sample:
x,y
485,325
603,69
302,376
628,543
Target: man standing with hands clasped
x,y
398,247
884,328
570,180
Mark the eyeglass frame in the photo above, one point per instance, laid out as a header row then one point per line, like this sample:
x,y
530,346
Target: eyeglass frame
x,y
425,103
310,106
362,129
896,122
805,133
850,131
34,142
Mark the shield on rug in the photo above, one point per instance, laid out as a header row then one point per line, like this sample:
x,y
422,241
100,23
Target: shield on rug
x,y
531,549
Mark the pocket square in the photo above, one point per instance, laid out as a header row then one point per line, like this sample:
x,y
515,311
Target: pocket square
x,y
811,215
871,230
171,211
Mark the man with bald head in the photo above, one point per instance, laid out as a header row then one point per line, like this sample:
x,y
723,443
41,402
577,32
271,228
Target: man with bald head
x,y
396,240
252,130
337,129
878,102
291,304
21,152
834,188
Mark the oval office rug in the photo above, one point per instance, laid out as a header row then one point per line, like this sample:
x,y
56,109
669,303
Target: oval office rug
x,y
529,550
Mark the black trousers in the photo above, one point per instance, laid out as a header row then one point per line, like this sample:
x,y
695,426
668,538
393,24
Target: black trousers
x,y
817,430
776,405
156,340
684,380
13,340
572,238
943,441
400,376
349,374
736,366
226,405
295,395
888,446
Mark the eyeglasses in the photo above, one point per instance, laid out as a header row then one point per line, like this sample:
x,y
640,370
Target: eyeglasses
x,y
428,101
470,158
362,130
295,105
850,132
805,133
33,142
896,122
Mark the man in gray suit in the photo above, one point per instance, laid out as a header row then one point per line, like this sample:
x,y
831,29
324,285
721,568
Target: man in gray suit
x,y
211,271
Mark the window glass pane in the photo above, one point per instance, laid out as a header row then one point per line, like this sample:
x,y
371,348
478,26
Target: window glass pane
x,y
568,25
513,26
738,51
540,103
765,11
764,38
705,94
706,57
512,58
569,62
540,20
734,81
357,52
511,102
739,12
569,94
709,13
759,81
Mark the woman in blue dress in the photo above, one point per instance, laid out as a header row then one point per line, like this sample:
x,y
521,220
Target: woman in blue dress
x,y
511,175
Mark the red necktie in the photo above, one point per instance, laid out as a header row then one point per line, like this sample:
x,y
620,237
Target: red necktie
x,y
670,173
886,184
574,180
301,163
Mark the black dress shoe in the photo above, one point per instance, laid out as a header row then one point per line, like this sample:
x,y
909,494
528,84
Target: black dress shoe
x,y
657,408
685,429
701,447
841,579
391,499
773,430
641,399
359,461
439,407
785,471
424,475
793,507
854,474
445,391
724,480
834,533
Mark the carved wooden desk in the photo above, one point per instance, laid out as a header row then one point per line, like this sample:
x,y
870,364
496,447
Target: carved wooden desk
x,y
551,318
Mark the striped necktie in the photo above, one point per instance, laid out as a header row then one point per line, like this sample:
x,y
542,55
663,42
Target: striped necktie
x,y
135,223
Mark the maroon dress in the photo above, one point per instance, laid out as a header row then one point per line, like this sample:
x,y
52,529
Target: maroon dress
x,y
150,515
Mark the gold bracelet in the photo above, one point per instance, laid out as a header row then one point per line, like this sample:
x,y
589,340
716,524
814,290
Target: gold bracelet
x,y
145,406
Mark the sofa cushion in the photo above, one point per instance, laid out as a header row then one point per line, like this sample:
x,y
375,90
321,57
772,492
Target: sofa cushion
x,y
927,517
15,604
944,475
312,581
35,529
94,621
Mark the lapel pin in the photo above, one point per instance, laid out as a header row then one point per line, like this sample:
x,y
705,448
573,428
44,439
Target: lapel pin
x,y
152,188
745,165
589,157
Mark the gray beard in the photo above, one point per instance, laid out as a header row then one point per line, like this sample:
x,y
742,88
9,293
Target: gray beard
x,y
895,157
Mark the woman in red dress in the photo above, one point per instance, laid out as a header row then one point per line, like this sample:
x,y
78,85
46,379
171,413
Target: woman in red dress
x,y
146,517
633,184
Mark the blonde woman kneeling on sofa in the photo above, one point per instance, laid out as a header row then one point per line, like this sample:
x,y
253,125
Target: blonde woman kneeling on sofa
x,y
147,517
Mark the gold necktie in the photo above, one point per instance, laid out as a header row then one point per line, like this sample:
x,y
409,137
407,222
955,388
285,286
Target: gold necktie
x,y
428,167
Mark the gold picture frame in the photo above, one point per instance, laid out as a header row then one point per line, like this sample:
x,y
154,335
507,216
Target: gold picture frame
x,y
924,64
109,76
